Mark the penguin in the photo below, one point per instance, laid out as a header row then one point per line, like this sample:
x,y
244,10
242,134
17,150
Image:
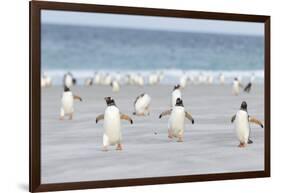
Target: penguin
x,y
140,80
69,80
46,81
153,79
89,82
176,121
253,77
115,86
112,126
242,125
141,105
183,81
221,78
97,78
175,94
236,85
210,79
107,79
67,103
248,87
43,82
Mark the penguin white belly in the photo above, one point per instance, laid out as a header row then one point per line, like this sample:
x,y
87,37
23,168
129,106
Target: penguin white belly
x,y
107,80
222,79
115,87
43,82
67,103
176,94
242,126
68,81
183,81
112,125
97,79
48,81
141,81
235,88
176,121
142,104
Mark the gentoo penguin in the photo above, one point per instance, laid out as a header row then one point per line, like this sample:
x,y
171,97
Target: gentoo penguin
x,y
89,82
242,125
183,81
248,87
139,80
141,105
112,126
69,80
43,82
236,85
97,78
107,79
67,100
209,79
176,121
153,79
221,78
115,86
253,77
175,94
46,81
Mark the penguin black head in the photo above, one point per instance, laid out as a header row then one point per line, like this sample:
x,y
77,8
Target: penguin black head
x,y
236,78
179,102
176,86
66,89
243,106
109,101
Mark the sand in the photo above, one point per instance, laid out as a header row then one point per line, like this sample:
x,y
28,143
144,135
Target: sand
x,y
71,149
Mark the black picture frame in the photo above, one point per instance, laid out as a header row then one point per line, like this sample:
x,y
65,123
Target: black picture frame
x,y
35,94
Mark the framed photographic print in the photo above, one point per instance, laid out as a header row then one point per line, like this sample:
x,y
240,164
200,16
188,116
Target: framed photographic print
x,y
123,96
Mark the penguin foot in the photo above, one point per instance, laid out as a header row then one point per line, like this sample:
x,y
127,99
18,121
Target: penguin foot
x,y
170,135
180,139
250,141
242,145
104,148
119,147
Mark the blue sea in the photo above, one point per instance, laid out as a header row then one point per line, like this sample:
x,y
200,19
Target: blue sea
x,y
84,50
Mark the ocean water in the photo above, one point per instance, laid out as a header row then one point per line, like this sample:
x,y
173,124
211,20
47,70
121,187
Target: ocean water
x,y
84,50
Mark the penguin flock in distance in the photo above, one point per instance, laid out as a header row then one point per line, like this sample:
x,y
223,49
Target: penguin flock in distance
x,y
112,115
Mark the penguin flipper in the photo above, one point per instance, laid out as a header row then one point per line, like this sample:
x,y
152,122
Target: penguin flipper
x,y
138,97
168,112
126,117
256,121
100,117
77,97
233,118
189,116
250,141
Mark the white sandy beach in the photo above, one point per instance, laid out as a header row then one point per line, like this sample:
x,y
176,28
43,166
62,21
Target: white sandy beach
x,y
71,149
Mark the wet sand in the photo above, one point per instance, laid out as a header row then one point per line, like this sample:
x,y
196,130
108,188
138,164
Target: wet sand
x,y
71,149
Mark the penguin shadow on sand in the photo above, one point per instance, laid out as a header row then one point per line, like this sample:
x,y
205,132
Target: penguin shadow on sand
x,y
242,122
67,103
112,124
